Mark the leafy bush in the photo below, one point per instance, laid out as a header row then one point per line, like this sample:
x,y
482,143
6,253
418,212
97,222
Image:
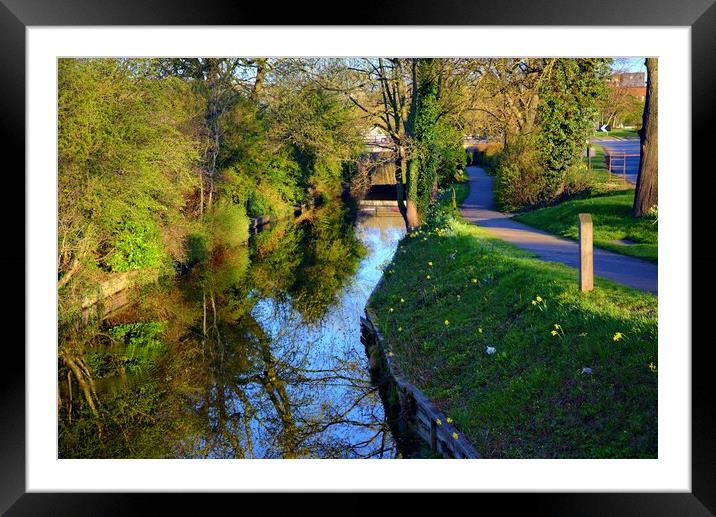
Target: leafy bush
x,y
228,225
577,180
489,156
135,246
520,180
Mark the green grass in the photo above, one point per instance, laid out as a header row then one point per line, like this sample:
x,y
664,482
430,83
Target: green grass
x,y
529,399
619,133
611,215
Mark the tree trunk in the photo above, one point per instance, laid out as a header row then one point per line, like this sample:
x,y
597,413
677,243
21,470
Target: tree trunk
x,y
400,171
646,195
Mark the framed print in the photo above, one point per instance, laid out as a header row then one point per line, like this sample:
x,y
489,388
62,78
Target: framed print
x,y
270,258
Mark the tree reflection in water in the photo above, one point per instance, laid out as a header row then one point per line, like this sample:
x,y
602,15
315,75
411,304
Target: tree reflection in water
x,y
255,354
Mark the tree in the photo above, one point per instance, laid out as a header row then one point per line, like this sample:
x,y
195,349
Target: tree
x,y
646,196
567,112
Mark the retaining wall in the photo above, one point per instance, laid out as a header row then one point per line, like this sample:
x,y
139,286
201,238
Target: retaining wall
x,y
412,417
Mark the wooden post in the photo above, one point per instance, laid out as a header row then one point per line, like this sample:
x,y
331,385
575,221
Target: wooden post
x,y
586,254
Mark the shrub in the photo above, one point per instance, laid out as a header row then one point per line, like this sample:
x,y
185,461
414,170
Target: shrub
x,y
488,156
135,246
520,179
577,180
228,225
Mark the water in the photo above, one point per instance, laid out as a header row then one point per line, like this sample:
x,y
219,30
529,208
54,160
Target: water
x,y
255,355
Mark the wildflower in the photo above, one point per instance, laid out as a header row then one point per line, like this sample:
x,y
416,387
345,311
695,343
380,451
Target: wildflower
x,y
455,435
534,302
587,370
402,300
557,326
390,354
449,420
489,350
617,336
428,277
479,329
438,421
554,332
538,298
474,280
430,264
391,309
652,367
447,322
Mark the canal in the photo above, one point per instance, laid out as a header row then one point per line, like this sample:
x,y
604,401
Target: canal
x,y
254,353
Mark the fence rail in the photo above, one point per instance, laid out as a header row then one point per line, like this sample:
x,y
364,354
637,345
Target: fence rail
x,y
617,162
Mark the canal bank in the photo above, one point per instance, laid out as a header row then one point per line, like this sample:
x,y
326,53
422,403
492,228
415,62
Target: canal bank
x,y
508,349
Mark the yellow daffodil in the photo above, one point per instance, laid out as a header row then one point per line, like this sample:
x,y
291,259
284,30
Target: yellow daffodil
x,y
474,280
652,367
534,302
390,354
391,309
400,329
479,329
449,420
402,300
554,332
455,435
430,264
428,277
538,298
438,421
617,336
557,326
447,322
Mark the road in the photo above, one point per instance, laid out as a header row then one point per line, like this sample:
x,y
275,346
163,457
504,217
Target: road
x,y
628,146
479,208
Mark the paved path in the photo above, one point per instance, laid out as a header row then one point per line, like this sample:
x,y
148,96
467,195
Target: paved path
x,y
479,208
619,146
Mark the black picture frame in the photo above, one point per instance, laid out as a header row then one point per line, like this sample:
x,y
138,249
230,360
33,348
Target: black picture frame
x,y
700,15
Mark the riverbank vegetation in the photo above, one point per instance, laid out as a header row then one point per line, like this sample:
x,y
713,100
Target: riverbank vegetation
x,y
162,161
522,362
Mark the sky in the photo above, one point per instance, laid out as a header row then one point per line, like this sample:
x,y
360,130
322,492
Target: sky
x,y
629,64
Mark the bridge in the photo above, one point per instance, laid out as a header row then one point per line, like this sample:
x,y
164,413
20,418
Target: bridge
x,y
374,184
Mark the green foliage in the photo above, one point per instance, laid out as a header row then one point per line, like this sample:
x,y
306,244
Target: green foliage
x,y
127,147
520,180
424,159
197,247
228,225
567,113
256,170
135,246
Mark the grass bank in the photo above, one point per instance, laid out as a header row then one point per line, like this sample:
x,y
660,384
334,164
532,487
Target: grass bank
x,y
572,375
614,227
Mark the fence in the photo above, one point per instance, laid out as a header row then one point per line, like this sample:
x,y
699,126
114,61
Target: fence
x,y
617,162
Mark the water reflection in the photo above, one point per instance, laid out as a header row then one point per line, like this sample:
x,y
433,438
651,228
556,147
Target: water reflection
x,y
255,354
